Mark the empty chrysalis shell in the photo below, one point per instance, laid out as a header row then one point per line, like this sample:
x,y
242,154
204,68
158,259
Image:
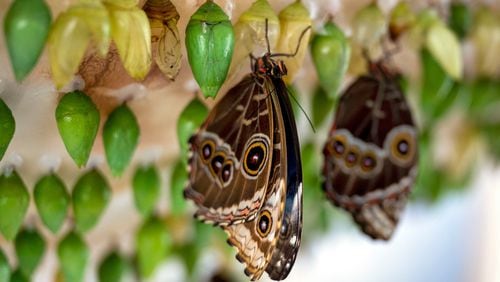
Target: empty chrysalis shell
x,y
26,28
131,34
330,52
250,32
70,35
165,39
486,39
401,19
369,26
294,20
125,4
209,44
444,46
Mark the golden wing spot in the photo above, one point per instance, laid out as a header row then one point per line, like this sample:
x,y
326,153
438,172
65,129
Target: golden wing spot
x,y
352,156
401,145
264,223
216,164
368,162
255,155
227,172
207,149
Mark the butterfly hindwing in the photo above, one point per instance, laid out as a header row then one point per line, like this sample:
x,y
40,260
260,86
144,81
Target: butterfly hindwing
x,y
371,153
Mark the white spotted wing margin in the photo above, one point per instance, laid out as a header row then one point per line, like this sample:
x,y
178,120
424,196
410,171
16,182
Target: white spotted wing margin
x,y
289,240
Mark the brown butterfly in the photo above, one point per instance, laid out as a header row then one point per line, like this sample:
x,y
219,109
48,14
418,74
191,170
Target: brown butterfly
x,y
246,174
371,152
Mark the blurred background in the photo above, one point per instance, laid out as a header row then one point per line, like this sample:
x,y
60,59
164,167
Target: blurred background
x,y
449,231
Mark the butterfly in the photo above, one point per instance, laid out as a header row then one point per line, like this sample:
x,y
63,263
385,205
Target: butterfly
x,y
245,172
371,154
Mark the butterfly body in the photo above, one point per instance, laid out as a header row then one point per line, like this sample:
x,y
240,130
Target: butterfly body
x,y
245,171
371,153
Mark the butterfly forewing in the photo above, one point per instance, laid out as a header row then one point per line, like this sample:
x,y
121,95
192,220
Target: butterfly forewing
x,y
371,153
231,153
255,240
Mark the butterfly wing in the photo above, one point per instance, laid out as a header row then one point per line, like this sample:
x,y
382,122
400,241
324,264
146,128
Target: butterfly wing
x,y
371,155
274,248
230,162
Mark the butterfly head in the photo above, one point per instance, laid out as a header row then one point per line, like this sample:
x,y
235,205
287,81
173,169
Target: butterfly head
x,y
266,65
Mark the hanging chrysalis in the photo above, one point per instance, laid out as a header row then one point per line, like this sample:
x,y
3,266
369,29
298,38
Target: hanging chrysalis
x,y
71,33
189,120
294,19
4,268
14,201
153,242
78,122
26,28
30,247
8,126
91,196
120,137
73,254
52,201
250,33
114,268
460,19
209,44
165,39
146,185
330,52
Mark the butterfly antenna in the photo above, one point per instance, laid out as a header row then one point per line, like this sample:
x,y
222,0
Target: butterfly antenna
x,y
267,37
302,109
297,48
